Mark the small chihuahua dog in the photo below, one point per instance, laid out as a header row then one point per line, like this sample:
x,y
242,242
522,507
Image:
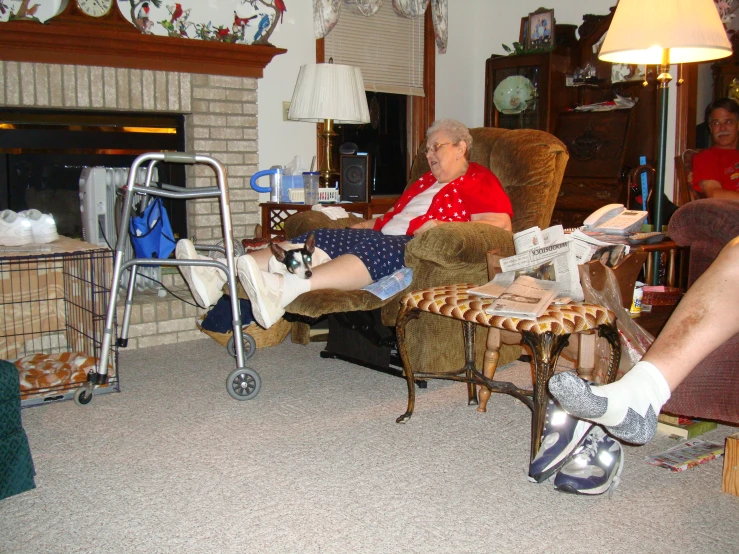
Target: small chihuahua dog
x,y
298,261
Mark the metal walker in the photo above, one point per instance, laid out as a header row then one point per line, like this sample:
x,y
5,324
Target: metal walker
x,y
243,383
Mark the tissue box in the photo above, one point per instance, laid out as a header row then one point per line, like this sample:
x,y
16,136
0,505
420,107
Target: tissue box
x,y
290,182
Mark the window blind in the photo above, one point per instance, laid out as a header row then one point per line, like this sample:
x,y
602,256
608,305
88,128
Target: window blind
x,y
387,48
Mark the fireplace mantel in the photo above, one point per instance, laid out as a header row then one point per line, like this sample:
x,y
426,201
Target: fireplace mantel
x,y
114,42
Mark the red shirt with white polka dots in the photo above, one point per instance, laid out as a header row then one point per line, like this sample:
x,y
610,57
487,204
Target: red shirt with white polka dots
x,y
477,191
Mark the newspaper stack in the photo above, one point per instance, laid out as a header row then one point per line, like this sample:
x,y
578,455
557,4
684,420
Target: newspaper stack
x,y
545,256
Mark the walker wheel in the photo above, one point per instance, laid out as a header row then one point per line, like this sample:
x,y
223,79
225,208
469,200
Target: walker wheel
x,y
243,383
81,396
250,346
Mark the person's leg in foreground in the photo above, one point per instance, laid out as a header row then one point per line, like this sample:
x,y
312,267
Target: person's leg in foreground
x,y
706,317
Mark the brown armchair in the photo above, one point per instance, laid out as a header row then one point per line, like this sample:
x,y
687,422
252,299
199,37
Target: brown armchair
x,y
530,164
711,391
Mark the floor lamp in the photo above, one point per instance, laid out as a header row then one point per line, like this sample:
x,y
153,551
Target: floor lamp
x,y
329,93
664,32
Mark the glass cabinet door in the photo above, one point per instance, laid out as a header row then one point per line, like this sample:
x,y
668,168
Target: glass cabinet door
x,y
530,116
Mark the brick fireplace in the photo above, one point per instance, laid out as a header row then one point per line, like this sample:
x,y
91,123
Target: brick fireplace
x,y
220,120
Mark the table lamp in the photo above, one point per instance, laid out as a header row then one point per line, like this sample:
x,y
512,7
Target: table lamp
x,y
664,32
329,93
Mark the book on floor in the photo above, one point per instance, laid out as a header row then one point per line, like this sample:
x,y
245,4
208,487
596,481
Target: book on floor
x,y
685,429
687,455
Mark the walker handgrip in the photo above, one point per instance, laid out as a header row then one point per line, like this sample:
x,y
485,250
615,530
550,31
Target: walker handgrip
x,y
179,157
257,175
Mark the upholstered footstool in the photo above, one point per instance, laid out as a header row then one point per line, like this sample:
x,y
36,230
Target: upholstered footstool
x,y
546,336
16,465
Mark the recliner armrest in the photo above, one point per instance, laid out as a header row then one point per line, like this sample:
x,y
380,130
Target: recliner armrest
x,y
302,222
458,244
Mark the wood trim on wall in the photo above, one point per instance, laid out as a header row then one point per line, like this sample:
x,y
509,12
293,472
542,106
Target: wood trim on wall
x,y
685,117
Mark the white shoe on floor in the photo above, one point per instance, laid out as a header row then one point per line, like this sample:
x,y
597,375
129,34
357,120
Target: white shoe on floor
x,y
43,227
15,230
205,283
265,302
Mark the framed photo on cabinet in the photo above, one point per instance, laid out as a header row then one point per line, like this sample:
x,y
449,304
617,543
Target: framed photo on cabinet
x,y
540,30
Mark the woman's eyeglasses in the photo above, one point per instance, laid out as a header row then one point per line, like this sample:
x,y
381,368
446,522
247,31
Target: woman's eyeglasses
x,y
433,148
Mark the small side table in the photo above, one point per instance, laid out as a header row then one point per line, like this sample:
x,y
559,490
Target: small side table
x,y
676,274
274,215
546,336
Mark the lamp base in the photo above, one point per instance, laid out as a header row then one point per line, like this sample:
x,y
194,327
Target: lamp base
x,y
329,174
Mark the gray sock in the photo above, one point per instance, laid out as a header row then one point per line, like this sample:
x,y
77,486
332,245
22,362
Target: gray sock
x,y
575,396
635,428
577,399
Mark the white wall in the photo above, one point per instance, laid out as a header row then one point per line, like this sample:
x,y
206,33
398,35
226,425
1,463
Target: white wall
x,y
477,29
280,141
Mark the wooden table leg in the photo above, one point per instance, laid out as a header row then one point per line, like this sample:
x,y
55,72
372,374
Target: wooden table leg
x,y
489,364
586,355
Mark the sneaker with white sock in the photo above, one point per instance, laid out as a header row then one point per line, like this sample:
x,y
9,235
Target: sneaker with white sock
x,y
579,399
15,229
266,300
562,434
594,468
206,283
43,227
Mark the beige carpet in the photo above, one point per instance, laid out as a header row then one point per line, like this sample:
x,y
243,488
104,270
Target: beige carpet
x,y
316,463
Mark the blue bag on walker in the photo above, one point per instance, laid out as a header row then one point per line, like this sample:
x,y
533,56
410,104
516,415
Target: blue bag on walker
x,y
151,233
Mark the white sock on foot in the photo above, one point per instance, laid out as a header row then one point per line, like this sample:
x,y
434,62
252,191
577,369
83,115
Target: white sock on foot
x,y
640,388
292,287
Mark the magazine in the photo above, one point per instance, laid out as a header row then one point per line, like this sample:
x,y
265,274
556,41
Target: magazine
x,y
525,298
688,454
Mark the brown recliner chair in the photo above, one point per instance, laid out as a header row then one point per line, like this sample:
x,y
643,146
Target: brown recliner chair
x,y
530,165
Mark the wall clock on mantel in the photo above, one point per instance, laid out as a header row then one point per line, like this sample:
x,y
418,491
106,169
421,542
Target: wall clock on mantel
x,y
83,14
95,8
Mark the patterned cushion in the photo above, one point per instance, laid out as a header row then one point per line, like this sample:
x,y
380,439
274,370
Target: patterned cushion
x,y
453,301
50,371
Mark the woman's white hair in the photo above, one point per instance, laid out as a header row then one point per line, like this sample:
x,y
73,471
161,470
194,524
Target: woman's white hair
x,y
455,130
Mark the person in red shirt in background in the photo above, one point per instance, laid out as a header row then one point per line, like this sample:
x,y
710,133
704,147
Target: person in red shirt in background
x,y
716,170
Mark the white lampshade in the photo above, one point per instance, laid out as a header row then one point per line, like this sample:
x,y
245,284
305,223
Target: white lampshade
x,y
642,29
329,91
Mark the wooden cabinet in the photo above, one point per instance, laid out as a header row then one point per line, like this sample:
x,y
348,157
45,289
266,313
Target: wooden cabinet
x,y
724,72
546,72
603,146
594,176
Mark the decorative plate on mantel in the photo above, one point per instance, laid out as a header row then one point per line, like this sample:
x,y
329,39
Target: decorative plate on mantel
x,y
36,10
236,21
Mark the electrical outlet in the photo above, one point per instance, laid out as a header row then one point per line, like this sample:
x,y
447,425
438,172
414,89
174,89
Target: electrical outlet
x,y
285,110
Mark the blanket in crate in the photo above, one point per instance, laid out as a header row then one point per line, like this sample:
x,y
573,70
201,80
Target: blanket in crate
x,y
38,372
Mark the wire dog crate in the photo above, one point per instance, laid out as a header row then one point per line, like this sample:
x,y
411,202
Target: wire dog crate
x,y
53,301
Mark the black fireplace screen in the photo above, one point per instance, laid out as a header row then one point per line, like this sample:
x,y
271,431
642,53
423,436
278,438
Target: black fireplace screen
x,y
43,152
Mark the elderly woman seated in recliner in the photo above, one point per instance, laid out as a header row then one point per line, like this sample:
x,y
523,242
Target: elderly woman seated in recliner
x,y
454,190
